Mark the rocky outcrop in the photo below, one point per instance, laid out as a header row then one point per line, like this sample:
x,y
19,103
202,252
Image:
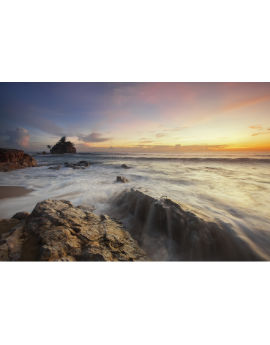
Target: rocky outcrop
x,y
167,230
80,165
124,166
63,147
57,231
56,167
122,179
11,159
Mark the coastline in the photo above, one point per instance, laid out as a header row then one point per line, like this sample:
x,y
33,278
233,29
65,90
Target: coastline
x,y
13,191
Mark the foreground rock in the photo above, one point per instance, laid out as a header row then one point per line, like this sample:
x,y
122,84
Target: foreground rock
x,y
168,231
11,159
57,231
122,179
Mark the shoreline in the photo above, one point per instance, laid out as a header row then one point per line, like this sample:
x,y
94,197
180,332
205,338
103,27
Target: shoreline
x,y
13,192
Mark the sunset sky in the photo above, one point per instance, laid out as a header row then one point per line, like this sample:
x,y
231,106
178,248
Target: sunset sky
x,y
136,116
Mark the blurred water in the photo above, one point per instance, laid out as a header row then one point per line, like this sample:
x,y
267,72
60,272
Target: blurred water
x,y
229,187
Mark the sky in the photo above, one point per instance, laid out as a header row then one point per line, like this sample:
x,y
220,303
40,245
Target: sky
x,y
139,117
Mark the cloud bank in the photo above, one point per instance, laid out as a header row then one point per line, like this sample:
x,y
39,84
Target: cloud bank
x,y
18,138
94,137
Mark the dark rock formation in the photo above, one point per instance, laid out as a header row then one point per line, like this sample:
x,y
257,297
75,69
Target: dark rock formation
x,y
63,147
20,215
80,165
122,179
56,168
57,231
168,231
11,159
124,166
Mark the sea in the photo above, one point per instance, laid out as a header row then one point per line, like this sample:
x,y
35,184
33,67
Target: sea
x,y
229,188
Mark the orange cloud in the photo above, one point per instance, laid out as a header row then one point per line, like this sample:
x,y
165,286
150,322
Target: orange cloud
x,y
255,127
246,103
253,135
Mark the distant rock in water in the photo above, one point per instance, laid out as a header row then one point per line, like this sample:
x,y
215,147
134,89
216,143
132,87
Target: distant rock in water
x,y
11,159
63,146
56,168
122,179
124,166
80,165
57,231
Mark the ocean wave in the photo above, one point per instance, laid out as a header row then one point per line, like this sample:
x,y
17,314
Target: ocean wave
x,y
184,159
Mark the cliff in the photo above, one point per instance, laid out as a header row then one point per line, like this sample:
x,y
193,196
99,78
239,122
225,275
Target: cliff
x,y
11,159
57,231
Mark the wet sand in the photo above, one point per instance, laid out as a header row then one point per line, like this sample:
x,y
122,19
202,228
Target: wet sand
x,y
13,192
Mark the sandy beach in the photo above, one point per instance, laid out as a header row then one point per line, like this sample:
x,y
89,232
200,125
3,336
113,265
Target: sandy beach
x,y
13,192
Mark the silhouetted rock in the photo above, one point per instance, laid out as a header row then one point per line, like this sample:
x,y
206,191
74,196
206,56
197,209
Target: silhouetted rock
x,y
11,159
122,179
63,147
57,231
124,166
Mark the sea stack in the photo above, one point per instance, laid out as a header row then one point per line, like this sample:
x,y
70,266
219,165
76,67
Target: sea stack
x,y
11,159
63,146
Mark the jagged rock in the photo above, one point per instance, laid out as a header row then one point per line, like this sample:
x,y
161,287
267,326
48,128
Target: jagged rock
x,y
21,215
55,168
57,231
11,243
122,179
11,159
124,166
7,224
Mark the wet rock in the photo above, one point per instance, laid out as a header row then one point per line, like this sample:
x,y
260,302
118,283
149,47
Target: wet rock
x,y
83,163
57,231
124,166
79,165
21,215
55,168
167,230
11,159
122,179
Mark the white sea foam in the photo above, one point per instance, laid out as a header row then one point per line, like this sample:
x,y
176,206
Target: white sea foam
x,y
230,188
